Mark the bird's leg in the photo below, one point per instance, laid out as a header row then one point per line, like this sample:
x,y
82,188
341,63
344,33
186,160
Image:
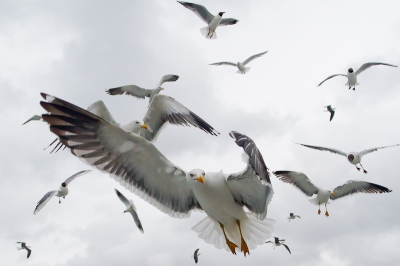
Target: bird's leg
x,y
319,208
354,88
230,244
243,246
63,197
349,87
357,168
59,200
363,168
326,212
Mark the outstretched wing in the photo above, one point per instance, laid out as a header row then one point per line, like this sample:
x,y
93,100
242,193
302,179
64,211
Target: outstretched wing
x,y
72,177
252,187
29,252
251,58
44,201
228,21
287,248
137,220
133,161
199,10
223,63
168,78
364,152
35,117
122,198
132,90
299,180
324,149
165,109
352,186
330,78
100,109
368,65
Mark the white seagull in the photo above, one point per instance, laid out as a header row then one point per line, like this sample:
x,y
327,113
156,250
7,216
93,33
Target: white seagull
x,y
141,93
140,167
212,21
278,242
24,246
196,255
240,65
352,76
61,192
130,207
292,216
33,118
353,157
302,182
330,110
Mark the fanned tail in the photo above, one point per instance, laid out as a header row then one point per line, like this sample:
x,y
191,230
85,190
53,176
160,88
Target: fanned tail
x,y
206,33
246,69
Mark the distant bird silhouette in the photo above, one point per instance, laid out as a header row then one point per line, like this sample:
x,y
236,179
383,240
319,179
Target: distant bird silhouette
x,y
279,242
24,246
330,110
293,216
196,255
130,207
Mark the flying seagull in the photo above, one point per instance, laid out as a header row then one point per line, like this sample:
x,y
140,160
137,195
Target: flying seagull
x,y
279,242
353,157
352,76
330,110
212,21
141,93
292,216
61,192
240,65
130,207
24,246
196,255
140,167
33,118
302,182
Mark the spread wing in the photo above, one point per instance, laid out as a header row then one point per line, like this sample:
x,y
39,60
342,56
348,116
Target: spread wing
x,y
35,117
29,252
223,63
199,10
130,159
132,90
299,180
168,78
287,248
324,149
165,109
368,65
352,186
122,198
252,187
44,201
228,21
332,113
72,177
100,109
364,152
330,78
137,220
251,58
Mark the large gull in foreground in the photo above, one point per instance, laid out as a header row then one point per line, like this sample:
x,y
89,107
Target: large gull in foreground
x,y
140,167
241,65
304,184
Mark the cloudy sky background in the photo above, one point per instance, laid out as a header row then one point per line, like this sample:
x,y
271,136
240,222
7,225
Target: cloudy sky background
x,y
76,50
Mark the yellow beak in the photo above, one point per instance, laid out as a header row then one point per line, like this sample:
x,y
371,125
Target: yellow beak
x,y
144,126
333,194
200,179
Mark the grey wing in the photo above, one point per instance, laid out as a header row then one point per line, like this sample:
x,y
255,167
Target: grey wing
x,y
137,220
35,117
287,248
132,90
251,187
165,109
223,63
248,60
122,198
72,177
196,257
199,10
352,186
368,65
299,180
168,78
330,78
324,149
130,159
364,152
228,21
100,109
43,201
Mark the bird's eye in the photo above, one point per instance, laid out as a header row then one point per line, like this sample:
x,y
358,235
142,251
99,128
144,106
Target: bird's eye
x,y
191,175
204,174
137,122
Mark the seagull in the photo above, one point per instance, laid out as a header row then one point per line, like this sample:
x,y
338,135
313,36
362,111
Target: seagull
x,y
140,167
293,216
163,110
61,192
353,157
330,110
24,246
130,207
196,255
302,182
141,93
240,65
352,76
279,242
33,118
212,21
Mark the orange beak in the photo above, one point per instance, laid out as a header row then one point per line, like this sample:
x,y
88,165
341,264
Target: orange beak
x,y
144,126
200,179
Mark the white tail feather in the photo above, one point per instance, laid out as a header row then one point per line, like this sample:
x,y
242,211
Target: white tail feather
x,y
209,35
246,69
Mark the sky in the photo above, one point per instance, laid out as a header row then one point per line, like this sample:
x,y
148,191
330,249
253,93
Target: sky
x,y
76,50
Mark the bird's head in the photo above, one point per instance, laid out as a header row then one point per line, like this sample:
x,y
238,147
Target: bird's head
x,y
333,194
63,184
196,175
221,13
351,70
350,157
138,124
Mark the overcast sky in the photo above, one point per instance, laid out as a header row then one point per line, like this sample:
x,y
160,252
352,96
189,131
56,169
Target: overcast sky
x,y
76,50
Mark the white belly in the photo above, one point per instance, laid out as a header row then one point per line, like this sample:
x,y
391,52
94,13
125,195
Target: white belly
x,y
214,23
62,192
240,66
352,79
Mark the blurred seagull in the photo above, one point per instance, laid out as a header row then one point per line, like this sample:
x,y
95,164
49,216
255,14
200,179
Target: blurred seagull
x,y
140,167
302,182
212,21
61,192
196,255
130,207
141,93
24,246
330,110
239,65
352,76
279,242
353,157
34,118
293,216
